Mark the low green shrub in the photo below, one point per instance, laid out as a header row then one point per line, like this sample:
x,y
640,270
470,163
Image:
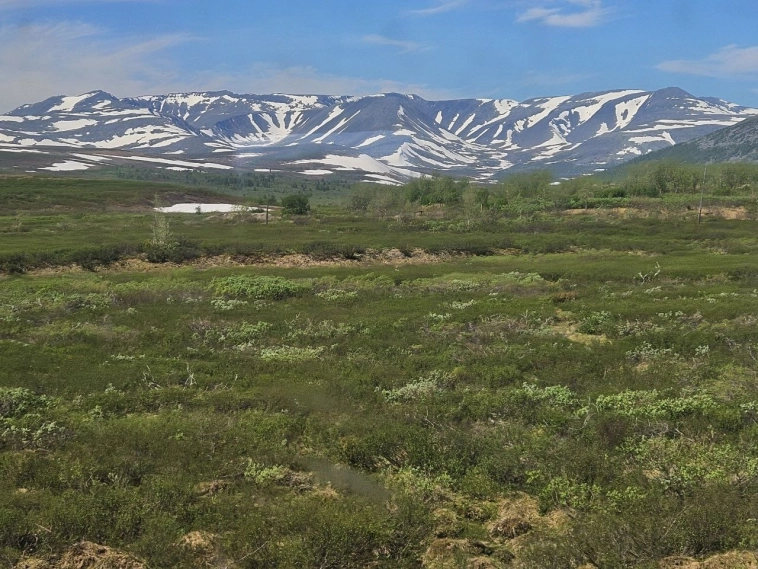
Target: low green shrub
x,y
17,402
325,250
178,251
263,288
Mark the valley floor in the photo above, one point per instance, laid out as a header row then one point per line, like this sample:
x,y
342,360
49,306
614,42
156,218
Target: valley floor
x,y
342,390
552,410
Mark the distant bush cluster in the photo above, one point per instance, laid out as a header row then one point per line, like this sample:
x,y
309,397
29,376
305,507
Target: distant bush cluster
x,y
529,193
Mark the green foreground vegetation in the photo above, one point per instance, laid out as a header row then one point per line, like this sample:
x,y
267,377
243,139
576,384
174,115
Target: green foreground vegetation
x,y
456,377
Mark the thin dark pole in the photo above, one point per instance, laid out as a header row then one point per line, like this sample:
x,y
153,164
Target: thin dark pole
x,y
702,194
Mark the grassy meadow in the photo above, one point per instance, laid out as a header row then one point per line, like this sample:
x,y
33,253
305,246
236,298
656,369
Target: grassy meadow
x,y
483,381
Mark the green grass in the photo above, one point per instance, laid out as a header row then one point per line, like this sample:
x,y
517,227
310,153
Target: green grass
x,y
27,195
369,414
49,240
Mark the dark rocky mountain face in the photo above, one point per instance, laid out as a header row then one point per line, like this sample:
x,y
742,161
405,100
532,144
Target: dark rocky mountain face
x,y
389,136
738,143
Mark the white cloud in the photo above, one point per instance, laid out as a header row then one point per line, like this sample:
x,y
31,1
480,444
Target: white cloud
x,y
69,58
43,60
728,62
403,45
577,14
448,6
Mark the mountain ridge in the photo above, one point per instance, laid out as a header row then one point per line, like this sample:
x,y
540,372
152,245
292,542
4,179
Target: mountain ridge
x,y
390,135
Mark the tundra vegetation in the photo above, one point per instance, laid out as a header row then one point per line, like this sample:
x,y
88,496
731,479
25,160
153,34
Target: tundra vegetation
x,y
437,375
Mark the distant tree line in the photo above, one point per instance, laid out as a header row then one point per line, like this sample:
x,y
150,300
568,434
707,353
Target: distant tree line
x,y
526,193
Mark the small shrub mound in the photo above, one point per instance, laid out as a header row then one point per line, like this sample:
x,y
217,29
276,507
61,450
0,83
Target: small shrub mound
x,y
271,288
24,423
177,251
17,402
322,251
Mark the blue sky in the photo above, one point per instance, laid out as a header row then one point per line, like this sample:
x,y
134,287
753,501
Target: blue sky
x,y
438,49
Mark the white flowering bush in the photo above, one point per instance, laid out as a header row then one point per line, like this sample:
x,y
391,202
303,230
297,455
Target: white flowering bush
x,y
290,353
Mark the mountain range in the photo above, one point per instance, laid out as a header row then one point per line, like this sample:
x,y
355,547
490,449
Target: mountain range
x,y
387,138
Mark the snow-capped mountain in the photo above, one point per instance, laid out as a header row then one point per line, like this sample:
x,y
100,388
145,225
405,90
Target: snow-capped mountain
x,y
391,136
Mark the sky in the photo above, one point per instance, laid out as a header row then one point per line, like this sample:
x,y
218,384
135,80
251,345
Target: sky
x,y
437,49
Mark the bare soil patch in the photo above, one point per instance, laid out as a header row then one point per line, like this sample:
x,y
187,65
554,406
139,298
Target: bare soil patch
x,y
730,213
86,555
730,560
392,257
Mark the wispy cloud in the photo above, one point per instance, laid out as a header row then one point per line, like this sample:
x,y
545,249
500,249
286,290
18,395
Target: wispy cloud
x,y
729,62
42,60
263,77
404,46
17,4
542,79
572,14
68,58
441,8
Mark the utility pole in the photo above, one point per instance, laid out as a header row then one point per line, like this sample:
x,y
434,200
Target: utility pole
x,y
702,194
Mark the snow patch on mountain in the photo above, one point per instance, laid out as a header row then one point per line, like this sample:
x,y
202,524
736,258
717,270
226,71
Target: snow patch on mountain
x,y
370,141
333,114
505,106
63,126
626,111
586,112
91,157
67,104
182,163
547,106
67,166
22,150
664,137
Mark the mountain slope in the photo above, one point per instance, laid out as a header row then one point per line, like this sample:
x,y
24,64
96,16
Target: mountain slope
x,y
738,143
390,135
